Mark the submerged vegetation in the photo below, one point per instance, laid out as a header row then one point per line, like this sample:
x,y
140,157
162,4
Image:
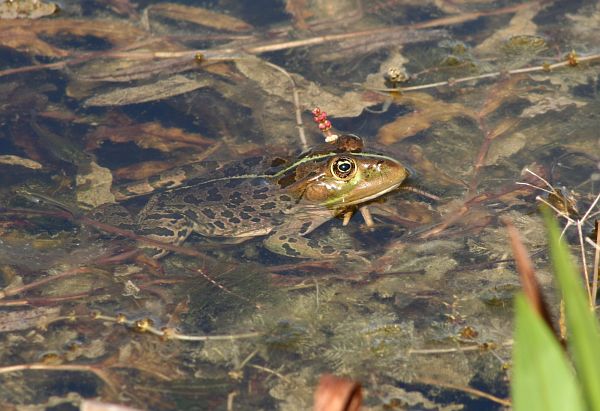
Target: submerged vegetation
x,y
492,107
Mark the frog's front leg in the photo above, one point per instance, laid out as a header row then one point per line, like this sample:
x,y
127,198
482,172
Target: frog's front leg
x,y
293,245
289,240
164,225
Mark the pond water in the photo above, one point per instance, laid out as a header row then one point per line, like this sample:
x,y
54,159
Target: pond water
x,y
110,101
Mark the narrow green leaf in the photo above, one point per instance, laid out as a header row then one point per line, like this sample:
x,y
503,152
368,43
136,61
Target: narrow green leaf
x,y
543,379
584,336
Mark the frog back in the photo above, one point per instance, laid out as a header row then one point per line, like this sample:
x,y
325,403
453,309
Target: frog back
x,y
234,207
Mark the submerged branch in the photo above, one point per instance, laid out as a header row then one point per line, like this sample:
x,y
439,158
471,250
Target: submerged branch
x,y
145,325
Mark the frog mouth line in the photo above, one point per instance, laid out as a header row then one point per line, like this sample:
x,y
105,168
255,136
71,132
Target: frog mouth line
x,y
365,199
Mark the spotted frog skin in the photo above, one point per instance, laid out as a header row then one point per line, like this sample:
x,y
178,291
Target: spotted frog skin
x,y
285,205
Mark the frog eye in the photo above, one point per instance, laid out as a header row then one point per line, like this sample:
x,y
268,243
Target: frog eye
x,y
343,168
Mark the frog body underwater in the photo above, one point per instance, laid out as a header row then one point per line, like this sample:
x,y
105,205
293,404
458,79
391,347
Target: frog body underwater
x,y
284,204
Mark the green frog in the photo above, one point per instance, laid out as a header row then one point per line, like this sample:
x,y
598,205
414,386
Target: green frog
x,y
284,204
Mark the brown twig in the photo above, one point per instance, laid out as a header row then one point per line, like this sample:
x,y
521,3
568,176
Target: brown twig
x,y
495,74
296,99
18,290
145,325
469,390
42,301
225,289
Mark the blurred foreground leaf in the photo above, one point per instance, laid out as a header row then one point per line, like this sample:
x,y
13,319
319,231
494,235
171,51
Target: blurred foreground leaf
x,y
543,379
584,338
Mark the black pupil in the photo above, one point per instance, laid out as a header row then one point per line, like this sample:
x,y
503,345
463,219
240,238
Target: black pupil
x,y
344,166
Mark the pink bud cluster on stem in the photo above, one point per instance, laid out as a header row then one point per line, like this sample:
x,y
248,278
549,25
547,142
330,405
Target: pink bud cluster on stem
x,y
320,117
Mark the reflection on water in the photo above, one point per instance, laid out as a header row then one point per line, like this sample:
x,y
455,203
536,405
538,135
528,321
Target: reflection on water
x,y
111,101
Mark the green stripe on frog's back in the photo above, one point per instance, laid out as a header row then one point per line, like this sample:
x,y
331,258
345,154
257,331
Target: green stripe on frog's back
x,y
288,168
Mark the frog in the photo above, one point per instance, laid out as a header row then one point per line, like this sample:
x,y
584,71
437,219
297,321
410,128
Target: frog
x,y
284,204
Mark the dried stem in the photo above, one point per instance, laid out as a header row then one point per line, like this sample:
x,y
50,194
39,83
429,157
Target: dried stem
x,y
592,292
270,371
297,110
469,390
168,333
452,82
225,289
43,301
433,351
18,290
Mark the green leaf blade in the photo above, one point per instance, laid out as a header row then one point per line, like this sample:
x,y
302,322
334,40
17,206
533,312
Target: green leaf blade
x,y
542,377
584,338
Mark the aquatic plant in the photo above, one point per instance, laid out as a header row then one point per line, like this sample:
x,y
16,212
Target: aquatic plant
x,y
554,371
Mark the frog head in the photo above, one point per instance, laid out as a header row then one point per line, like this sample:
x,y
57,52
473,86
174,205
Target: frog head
x,y
337,181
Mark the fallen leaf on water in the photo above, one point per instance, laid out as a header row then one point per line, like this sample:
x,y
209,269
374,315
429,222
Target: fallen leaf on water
x,y
23,319
429,169
200,16
427,110
25,36
544,103
521,23
300,11
277,83
505,148
142,170
173,173
126,70
148,135
26,9
158,90
19,161
93,187
124,7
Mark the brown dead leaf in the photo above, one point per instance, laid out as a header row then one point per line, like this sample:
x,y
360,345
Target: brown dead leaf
x,y
498,94
502,127
26,9
125,69
22,320
141,170
505,147
93,186
276,83
25,36
429,169
172,173
20,161
148,135
543,103
158,90
521,24
123,7
300,11
22,38
200,16
427,110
